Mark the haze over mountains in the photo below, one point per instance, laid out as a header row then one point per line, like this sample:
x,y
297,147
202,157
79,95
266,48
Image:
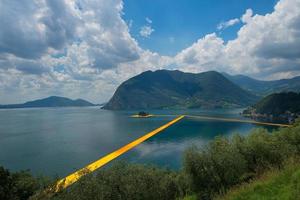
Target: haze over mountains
x,y
165,89
264,88
176,89
53,101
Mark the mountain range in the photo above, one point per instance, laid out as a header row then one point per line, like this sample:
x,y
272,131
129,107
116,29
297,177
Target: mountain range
x,y
176,89
163,89
264,88
52,101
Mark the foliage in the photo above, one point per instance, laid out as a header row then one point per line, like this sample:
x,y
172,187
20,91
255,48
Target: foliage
x,y
275,184
225,163
176,89
17,186
279,103
128,181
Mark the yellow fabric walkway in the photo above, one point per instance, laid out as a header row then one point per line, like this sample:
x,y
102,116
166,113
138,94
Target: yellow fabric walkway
x,y
72,178
227,120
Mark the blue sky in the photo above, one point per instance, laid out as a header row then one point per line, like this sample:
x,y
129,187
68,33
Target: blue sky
x,y
87,48
186,20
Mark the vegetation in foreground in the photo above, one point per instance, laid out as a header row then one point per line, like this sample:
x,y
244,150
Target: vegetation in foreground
x,y
275,184
209,172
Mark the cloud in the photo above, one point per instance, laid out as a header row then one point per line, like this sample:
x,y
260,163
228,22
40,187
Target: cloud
x,y
63,47
83,48
146,31
247,16
148,20
224,25
30,28
34,29
203,54
265,44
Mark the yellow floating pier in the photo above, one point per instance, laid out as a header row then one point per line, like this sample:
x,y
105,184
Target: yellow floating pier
x,y
237,120
72,178
227,120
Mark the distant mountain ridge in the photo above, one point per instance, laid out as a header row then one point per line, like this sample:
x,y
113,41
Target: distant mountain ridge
x,y
176,89
52,101
264,88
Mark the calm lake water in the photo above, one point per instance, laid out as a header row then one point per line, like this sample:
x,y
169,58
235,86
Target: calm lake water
x,y
57,141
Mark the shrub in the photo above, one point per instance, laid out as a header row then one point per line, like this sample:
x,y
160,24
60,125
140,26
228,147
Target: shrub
x,y
224,162
17,186
215,168
128,181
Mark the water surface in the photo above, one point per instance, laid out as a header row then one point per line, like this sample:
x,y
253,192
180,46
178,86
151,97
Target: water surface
x,y
57,141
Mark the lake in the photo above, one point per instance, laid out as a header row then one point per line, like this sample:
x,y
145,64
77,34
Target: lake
x,y
57,141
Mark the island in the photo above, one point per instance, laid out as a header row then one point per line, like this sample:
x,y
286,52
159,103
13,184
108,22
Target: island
x,y
142,114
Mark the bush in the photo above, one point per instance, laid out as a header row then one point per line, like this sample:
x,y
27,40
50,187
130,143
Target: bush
x,y
215,168
208,171
296,184
224,163
128,181
17,186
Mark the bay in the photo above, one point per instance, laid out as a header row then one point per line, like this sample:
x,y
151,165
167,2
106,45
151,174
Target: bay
x,y
58,141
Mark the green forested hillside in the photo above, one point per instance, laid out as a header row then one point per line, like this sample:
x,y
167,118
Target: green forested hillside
x,y
169,89
279,103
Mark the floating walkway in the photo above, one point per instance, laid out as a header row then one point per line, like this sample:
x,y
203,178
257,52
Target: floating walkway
x,y
72,178
237,120
230,120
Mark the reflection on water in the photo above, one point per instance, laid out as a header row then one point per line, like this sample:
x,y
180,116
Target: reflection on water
x,y
59,140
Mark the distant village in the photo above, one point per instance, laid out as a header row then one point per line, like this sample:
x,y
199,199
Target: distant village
x,y
287,117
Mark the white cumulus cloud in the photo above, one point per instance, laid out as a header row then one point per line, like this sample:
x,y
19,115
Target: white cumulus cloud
x,y
83,48
224,25
146,31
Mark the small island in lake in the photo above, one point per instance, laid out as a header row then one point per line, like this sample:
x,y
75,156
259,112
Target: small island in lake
x,y
142,114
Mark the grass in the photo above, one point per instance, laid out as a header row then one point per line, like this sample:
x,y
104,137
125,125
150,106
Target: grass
x,y
274,185
192,197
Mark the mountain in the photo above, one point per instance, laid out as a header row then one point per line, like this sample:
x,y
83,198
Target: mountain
x,y
176,89
53,101
277,108
279,103
265,87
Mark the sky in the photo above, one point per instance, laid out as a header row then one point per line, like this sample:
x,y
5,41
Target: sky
x,y
86,48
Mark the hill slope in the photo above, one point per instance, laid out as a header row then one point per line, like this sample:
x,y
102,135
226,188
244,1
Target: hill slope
x,y
276,184
173,89
265,87
279,103
53,101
